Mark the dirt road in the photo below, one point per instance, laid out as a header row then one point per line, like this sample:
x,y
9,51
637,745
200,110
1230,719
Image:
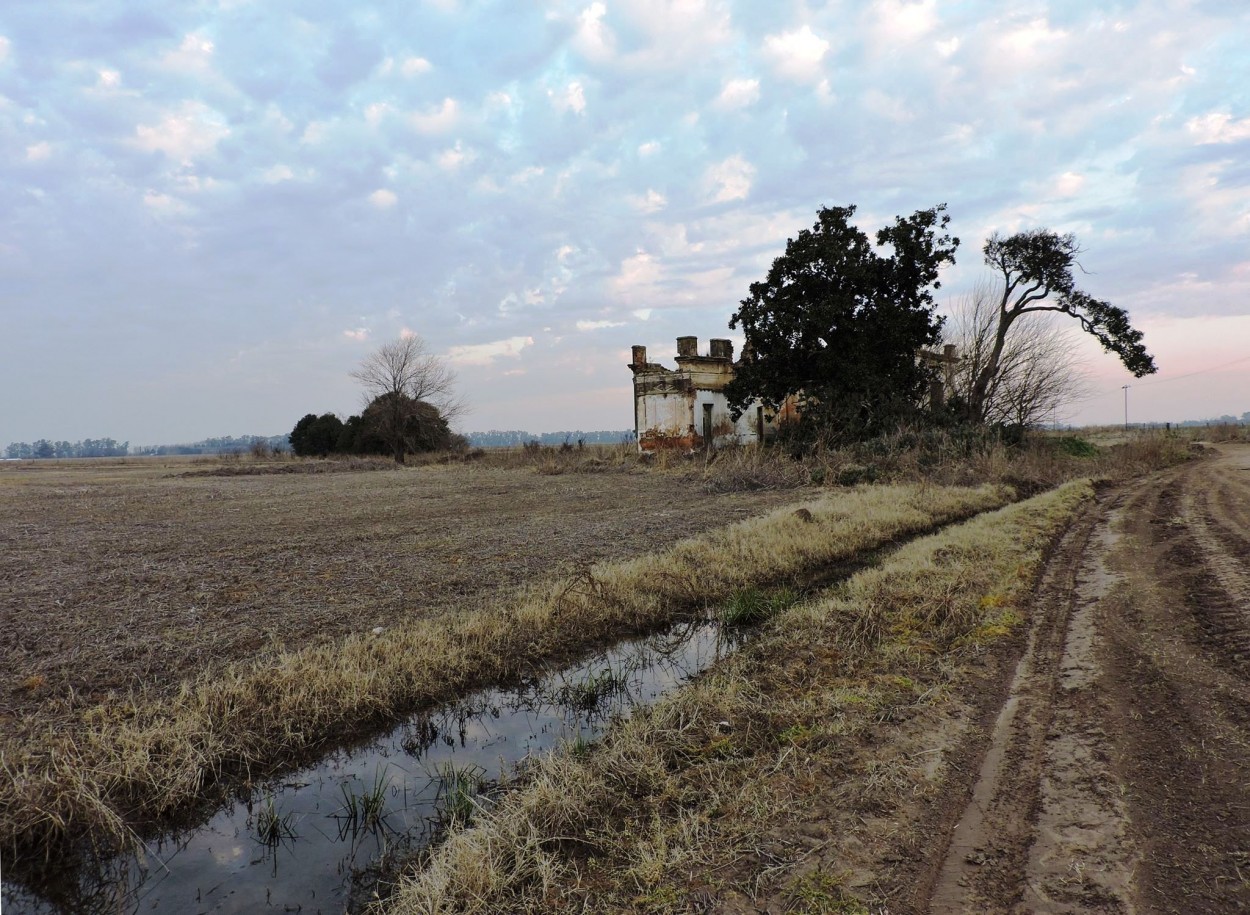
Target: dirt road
x,y
1117,777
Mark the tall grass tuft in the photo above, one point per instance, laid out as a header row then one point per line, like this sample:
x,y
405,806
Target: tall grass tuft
x,y
457,793
754,605
364,811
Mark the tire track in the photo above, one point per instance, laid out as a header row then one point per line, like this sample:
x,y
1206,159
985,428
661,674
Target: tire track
x,y
1118,775
1041,834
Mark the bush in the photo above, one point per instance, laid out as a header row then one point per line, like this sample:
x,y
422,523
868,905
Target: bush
x,y
1075,446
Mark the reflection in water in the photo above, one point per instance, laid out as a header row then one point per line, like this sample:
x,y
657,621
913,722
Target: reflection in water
x,y
306,842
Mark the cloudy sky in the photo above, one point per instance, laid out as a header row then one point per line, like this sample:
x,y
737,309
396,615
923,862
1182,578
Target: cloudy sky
x,y
213,210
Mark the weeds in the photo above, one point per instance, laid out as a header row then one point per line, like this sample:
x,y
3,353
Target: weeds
x,y
752,605
589,693
365,811
272,829
1031,462
457,793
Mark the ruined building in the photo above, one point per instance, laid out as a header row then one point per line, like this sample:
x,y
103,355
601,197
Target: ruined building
x,y
686,408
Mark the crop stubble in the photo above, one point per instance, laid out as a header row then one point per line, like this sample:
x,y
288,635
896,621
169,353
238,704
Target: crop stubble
x,y
115,576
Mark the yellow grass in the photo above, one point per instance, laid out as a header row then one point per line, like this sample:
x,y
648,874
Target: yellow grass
x,y
690,789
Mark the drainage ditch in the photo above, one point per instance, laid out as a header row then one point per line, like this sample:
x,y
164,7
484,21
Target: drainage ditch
x,y
316,840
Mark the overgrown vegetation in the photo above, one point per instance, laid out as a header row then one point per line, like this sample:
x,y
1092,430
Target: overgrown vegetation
x,y
960,456
686,796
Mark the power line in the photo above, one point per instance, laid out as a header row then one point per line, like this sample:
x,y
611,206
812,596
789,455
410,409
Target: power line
x,y
1143,384
1214,368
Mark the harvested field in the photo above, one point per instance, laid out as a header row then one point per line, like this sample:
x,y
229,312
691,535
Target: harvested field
x,y
98,768
118,575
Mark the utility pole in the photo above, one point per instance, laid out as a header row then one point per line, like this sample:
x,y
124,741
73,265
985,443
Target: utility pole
x,y
1125,407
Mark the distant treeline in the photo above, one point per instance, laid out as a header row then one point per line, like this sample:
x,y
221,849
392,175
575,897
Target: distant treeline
x,y
107,447
1226,419
226,444
88,447
514,438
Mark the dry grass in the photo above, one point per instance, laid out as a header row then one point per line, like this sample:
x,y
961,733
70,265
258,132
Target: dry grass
x,y
678,803
1041,461
140,757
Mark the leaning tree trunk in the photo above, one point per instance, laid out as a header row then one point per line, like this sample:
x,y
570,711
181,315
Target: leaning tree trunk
x,y
981,386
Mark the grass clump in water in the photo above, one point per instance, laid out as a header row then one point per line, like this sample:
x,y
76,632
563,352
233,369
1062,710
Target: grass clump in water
x,y
364,811
272,828
457,793
753,605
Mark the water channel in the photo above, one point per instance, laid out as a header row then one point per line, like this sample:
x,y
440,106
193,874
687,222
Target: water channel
x,y
315,840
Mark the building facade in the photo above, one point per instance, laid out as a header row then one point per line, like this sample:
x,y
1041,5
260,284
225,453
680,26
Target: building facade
x,y
686,408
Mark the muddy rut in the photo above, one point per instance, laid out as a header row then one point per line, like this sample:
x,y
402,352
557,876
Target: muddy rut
x,y
1117,773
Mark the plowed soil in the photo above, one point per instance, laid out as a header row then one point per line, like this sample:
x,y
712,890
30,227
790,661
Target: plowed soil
x,y
133,574
1115,775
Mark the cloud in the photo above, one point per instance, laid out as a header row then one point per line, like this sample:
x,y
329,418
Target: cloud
x,y
193,55
1025,43
486,353
164,205
571,98
901,21
797,55
277,173
650,202
598,325
383,199
594,39
375,112
738,93
435,120
38,152
1069,184
451,159
415,66
1218,127
649,148
729,180
6,47
637,272
186,133
357,333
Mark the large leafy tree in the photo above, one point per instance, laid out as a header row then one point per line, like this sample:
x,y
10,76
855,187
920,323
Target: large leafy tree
x,y
839,322
316,436
1036,273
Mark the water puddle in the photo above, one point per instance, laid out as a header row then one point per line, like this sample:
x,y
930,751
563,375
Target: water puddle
x,y
313,841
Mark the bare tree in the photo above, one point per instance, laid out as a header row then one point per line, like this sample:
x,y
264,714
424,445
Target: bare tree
x,y
403,380
1037,375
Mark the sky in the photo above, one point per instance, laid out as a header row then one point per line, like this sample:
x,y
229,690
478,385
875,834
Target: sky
x,y
213,210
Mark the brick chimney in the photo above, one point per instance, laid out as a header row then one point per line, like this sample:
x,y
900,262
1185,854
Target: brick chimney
x,y
687,346
723,349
